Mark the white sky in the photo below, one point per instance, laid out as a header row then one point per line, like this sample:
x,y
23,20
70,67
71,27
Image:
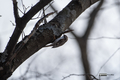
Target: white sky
x,y
62,61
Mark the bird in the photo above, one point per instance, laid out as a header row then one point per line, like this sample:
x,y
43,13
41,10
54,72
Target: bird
x,y
58,42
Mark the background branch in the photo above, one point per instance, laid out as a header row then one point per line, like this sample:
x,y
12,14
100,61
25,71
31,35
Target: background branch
x,y
82,41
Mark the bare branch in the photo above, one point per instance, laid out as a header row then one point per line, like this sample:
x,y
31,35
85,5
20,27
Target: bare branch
x,y
108,60
53,8
45,20
37,16
27,38
82,40
103,38
15,10
21,11
28,67
88,75
72,75
23,6
35,9
21,23
45,34
12,23
92,20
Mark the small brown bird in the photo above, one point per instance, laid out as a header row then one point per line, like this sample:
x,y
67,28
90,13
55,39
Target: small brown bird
x,y
58,42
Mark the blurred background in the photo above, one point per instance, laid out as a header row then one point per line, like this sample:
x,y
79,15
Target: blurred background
x,y
65,62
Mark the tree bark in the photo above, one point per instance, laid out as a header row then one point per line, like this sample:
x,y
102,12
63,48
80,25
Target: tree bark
x,y
46,33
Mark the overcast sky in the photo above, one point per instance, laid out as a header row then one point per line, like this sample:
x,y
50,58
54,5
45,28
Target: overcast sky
x,y
60,62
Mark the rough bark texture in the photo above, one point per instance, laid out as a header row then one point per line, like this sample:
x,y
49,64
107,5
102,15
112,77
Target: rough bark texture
x,y
45,34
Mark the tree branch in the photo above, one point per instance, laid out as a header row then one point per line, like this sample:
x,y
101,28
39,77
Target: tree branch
x,y
5,71
82,40
20,25
35,9
92,20
15,10
45,34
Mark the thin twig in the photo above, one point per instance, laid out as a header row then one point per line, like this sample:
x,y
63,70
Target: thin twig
x,y
80,75
20,10
49,5
45,21
23,6
107,61
72,75
53,8
13,23
37,16
28,67
103,38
